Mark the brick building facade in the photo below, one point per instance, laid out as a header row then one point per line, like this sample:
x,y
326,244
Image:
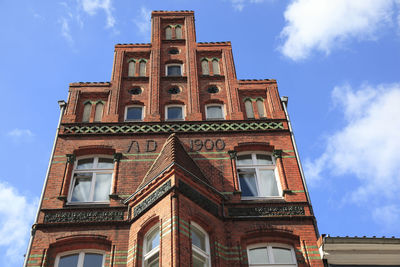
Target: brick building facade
x,y
174,162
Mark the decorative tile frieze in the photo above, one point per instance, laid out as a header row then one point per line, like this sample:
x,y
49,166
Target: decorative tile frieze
x,y
78,216
266,211
138,128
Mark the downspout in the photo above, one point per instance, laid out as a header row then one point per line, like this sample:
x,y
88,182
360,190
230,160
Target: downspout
x,y
284,100
62,105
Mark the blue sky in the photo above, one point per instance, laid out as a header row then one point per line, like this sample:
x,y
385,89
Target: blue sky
x,y
338,61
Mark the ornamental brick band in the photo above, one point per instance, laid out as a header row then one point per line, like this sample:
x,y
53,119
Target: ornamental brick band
x,y
138,128
266,211
83,216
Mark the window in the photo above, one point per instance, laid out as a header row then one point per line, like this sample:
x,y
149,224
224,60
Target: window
x,y
87,109
200,246
174,70
131,68
215,65
178,32
135,91
260,108
205,67
174,90
248,105
142,68
257,178
173,51
213,89
80,259
168,33
151,247
174,112
91,180
265,255
214,112
134,113
98,112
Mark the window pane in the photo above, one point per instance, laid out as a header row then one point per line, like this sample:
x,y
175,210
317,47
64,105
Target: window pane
x,y
178,32
268,186
282,255
258,256
198,261
85,164
153,240
81,188
134,113
105,163
168,33
247,180
98,112
142,68
174,113
68,261
205,67
214,112
215,64
131,69
198,238
264,159
244,160
260,108
102,187
174,71
86,112
152,261
93,260
249,109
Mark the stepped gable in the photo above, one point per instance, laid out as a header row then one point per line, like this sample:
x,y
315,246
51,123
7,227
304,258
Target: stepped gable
x,y
172,153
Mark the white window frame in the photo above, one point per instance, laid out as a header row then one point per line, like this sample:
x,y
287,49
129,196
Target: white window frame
x,y
81,256
257,168
94,171
205,254
270,255
148,254
173,106
134,106
216,105
172,65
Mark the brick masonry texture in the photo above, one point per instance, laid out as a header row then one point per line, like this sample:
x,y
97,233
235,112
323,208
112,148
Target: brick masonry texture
x,y
194,180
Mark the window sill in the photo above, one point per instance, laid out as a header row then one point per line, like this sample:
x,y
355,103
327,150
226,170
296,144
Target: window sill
x,y
263,199
86,204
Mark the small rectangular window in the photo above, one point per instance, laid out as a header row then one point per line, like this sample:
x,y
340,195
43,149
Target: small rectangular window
x,y
174,70
134,113
174,113
214,112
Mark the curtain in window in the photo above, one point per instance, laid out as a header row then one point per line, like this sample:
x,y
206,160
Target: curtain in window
x,y
142,68
215,65
168,33
204,67
249,109
98,112
86,112
131,69
178,32
260,108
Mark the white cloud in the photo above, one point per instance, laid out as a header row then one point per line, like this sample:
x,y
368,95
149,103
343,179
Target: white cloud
x,y
16,218
387,216
92,6
368,146
20,133
325,24
143,22
240,4
65,30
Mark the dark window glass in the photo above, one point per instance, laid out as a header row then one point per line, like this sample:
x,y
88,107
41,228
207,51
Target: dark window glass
x,y
174,71
174,90
174,113
68,261
173,51
93,260
212,89
134,113
135,91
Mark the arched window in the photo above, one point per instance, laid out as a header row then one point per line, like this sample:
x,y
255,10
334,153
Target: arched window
x,y
215,65
168,33
131,68
178,32
80,259
257,176
142,68
249,109
91,180
151,247
200,246
205,67
98,112
267,255
260,108
87,109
